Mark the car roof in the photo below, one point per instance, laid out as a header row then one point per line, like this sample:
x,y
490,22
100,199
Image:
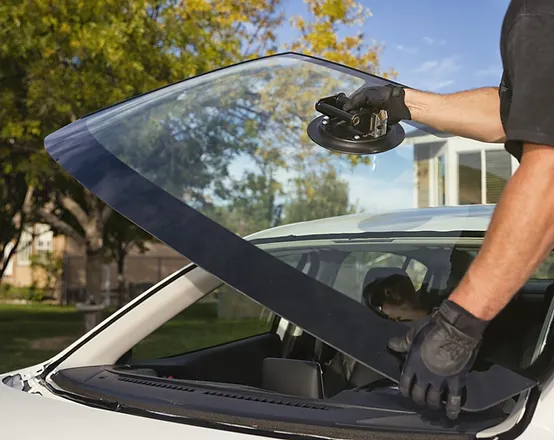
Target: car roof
x,y
474,218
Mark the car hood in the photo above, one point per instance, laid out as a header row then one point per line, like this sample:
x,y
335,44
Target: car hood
x,y
176,161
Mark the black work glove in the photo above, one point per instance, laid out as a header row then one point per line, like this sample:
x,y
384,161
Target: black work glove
x,y
388,97
441,350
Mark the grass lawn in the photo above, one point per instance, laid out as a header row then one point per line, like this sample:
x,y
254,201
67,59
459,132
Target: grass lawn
x,y
30,334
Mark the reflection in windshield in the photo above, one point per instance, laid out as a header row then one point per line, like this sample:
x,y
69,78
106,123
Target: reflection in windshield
x,y
233,145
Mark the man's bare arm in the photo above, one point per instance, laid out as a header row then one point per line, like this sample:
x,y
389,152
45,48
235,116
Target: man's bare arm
x,y
473,114
520,235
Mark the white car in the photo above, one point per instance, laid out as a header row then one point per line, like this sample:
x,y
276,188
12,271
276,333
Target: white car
x,y
320,368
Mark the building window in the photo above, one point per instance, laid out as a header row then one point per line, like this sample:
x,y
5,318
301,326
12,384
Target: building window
x,y
499,169
469,178
44,238
482,176
24,249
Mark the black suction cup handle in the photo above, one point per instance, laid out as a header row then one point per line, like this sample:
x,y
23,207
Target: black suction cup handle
x,y
332,107
334,112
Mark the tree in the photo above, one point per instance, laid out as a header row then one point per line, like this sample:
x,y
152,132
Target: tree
x,y
18,174
253,204
66,58
120,237
318,196
320,35
61,59
318,192
14,196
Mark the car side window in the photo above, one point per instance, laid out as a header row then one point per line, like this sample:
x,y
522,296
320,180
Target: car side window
x,y
223,316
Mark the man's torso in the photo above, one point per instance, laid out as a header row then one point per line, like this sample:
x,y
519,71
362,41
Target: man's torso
x,y
516,10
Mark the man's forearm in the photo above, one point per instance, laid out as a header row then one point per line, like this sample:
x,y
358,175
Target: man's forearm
x,y
473,114
520,235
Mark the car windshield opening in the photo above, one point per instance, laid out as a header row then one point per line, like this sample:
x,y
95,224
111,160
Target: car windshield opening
x,y
228,345
401,279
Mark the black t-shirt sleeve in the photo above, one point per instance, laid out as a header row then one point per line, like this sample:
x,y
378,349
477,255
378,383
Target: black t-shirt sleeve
x,y
530,67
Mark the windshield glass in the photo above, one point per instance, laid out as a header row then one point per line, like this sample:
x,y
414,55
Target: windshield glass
x,y
233,145
201,163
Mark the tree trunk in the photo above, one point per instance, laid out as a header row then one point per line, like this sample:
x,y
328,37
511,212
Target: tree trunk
x,y
121,293
94,266
92,217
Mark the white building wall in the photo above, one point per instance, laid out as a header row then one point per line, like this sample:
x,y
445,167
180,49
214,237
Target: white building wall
x,y
451,147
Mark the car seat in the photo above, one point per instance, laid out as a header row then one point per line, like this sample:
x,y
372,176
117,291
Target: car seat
x,y
342,372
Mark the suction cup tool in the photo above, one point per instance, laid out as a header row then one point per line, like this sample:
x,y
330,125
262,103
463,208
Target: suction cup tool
x,y
363,131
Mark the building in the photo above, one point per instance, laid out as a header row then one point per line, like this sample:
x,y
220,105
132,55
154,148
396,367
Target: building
x,y
140,271
451,170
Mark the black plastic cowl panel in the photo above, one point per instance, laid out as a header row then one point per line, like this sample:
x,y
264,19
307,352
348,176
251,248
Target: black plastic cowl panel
x,y
196,402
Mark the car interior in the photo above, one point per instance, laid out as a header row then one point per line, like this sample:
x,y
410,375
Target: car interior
x,y
297,363
291,368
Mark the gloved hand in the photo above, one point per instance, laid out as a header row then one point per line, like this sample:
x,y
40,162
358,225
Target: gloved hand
x,y
387,97
441,350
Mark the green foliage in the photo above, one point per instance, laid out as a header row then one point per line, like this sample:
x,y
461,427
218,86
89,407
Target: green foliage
x,y
318,196
121,235
48,266
252,205
26,293
323,35
13,189
62,59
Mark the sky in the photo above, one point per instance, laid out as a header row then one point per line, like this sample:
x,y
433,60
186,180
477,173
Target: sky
x,y
435,45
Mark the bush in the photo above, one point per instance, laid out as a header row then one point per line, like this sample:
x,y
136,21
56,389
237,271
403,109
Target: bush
x,y
51,267
28,293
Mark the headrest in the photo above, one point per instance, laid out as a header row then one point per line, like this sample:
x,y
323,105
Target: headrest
x,y
382,272
390,287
